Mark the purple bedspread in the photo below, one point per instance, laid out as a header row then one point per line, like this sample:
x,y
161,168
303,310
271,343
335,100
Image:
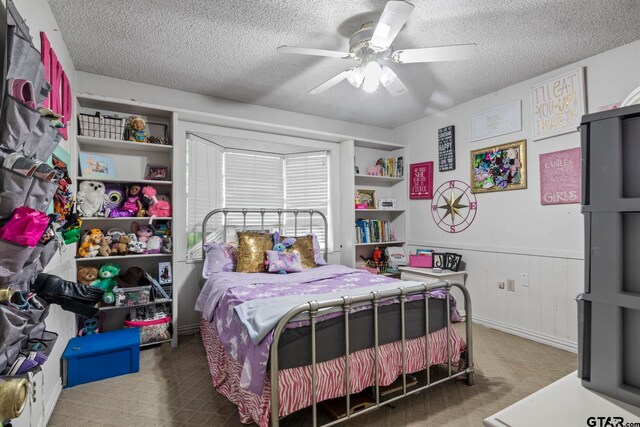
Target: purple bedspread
x,y
222,292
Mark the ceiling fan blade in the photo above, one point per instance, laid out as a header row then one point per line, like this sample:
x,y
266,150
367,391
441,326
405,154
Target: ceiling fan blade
x,y
314,52
435,54
329,83
393,18
392,82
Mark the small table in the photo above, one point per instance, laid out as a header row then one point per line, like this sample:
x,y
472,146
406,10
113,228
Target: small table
x,y
427,275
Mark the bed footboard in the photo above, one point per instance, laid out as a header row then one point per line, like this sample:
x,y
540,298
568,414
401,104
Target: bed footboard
x,y
402,293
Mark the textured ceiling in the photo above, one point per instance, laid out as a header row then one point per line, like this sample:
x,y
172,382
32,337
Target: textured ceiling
x,y
227,48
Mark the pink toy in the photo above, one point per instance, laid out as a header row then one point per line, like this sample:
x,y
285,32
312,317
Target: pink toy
x,y
143,232
159,205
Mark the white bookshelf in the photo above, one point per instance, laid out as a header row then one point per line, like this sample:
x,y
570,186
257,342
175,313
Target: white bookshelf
x,y
130,160
364,154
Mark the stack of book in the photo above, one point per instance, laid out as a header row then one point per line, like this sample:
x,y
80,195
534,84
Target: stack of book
x,y
374,231
393,167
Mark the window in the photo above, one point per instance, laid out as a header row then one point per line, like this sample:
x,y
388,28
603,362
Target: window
x,y
218,176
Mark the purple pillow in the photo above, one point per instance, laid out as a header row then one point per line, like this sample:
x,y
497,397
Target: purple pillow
x,y
289,262
220,257
317,252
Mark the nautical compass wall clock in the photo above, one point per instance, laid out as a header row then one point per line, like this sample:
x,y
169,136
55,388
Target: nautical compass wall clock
x,y
454,207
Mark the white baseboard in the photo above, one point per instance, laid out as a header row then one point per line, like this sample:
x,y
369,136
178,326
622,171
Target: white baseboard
x,y
51,404
189,329
525,333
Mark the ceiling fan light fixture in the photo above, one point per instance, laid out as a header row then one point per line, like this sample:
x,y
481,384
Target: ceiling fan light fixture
x,y
372,73
387,76
356,77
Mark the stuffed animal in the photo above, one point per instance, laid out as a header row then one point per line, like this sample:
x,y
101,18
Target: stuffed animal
x,y
91,243
91,199
87,275
159,205
105,246
135,246
154,245
167,245
107,281
281,246
132,204
123,243
143,232
115,195
136,130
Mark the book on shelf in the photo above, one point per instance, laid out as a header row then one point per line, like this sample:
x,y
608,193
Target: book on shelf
x,y
392,167
374,231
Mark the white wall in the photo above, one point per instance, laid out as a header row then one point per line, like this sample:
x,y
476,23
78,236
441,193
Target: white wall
x,y
38,17
512,232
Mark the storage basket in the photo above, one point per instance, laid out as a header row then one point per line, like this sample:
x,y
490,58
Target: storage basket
x,y
132,296
158,297
423,261
151,330
97,126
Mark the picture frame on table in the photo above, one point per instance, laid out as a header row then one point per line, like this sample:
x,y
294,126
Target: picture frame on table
x,y
439,260
452,261
387,204
365,199
157,173
94,165
165,275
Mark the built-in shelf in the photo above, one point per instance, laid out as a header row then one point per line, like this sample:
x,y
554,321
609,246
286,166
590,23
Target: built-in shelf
x,y
118,144
379,210
395,242
104,258
377,180
127,218
125,181
113,307
155,343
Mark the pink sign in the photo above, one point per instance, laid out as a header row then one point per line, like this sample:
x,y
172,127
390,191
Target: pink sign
x,y
60,99
421,180
560,177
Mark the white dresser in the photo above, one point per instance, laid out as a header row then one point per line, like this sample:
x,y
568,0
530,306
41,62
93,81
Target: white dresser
x,y
427,275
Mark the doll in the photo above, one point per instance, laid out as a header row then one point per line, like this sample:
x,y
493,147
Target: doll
x,y
143,232
136,130
132,205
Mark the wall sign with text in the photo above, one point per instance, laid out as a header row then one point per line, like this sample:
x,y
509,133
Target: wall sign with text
x,y
558,104
421,180
560,177
446,149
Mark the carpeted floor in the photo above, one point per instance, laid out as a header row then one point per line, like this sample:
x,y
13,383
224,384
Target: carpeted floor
x,y
174,388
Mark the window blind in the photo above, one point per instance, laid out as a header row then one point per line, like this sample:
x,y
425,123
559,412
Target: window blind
x,y
307,187
204,188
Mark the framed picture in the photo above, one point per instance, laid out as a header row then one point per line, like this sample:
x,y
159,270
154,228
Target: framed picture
x,y
558,105
423,251
96,166
439,260
387,204
499,120
421,180
365,199
165,275
452,261
157,173
499,168
560,177
446,149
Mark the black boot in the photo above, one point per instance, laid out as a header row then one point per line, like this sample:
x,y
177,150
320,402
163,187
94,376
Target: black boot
x,y
71,296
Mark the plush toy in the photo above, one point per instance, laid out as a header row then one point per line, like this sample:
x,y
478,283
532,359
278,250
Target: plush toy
x,y
123,244
87,275
154,245
131,206
107,281
105,246
115,195
167,245
135,246
143,232
282,246
91,199
91,243
159,205
136,130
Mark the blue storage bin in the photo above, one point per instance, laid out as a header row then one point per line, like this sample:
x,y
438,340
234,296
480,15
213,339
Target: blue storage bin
x,y
105,355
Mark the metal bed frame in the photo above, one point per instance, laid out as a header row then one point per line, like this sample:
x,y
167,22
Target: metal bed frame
x,y
345,302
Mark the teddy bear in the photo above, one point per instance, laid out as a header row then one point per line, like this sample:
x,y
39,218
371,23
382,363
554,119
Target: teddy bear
x,y
105,246
107,281
87,275
167,245
123,244
91,199
90,244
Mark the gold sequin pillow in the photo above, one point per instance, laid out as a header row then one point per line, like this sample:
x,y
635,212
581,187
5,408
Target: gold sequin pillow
x,y
252,247
304,247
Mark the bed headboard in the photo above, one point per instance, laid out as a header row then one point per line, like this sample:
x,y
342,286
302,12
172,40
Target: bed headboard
x,y
262,212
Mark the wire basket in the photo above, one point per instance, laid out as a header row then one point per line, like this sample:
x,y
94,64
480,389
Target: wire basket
x,y
157,295
97,126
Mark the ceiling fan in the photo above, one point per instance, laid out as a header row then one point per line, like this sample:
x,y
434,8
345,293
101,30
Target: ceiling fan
x,y
371,45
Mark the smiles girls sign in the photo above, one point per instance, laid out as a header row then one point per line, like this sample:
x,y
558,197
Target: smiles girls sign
x,y
560,177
